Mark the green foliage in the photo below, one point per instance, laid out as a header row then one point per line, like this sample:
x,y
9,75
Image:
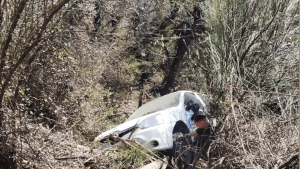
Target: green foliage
x,y
133,156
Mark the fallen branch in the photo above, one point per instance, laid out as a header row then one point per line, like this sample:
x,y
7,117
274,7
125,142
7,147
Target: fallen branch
x,y
290,160
219,163
70,157
127,143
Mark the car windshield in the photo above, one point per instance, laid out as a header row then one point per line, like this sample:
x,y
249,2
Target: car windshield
x,y
191,97
161,103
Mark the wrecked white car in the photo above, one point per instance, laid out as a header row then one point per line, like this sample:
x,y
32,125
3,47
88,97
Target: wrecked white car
x,y
154,123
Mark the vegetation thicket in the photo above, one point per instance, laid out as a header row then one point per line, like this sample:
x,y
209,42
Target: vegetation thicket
x,y
71,69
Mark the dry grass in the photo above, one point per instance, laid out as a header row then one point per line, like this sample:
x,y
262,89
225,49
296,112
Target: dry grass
x,y
261,131
255,143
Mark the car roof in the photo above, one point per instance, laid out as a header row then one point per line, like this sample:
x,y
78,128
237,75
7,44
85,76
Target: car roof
x,y
160,103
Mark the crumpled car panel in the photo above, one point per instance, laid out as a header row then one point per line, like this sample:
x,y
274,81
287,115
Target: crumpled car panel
x,y
155,130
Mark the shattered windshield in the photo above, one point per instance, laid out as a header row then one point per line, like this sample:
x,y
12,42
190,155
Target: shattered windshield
x,y
191,97
161,103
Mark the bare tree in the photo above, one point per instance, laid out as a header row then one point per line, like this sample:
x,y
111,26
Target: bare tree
x,y
24,31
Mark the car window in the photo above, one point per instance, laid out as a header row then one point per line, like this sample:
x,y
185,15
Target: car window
x,y
191,97
161,103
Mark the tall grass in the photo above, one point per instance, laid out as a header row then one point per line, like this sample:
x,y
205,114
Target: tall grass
x,y
250,67
251,42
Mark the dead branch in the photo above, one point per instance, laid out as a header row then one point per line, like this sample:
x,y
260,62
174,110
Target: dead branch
x,y
127,143
70,157
289,161
219,163
9,35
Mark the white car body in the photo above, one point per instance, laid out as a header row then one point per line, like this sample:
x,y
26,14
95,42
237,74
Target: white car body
x,y
154,130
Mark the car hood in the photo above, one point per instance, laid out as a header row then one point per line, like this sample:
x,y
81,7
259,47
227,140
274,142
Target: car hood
x,y
119,129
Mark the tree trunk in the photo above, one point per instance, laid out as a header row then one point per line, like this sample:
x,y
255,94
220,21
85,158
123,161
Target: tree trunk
x,y
182,45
